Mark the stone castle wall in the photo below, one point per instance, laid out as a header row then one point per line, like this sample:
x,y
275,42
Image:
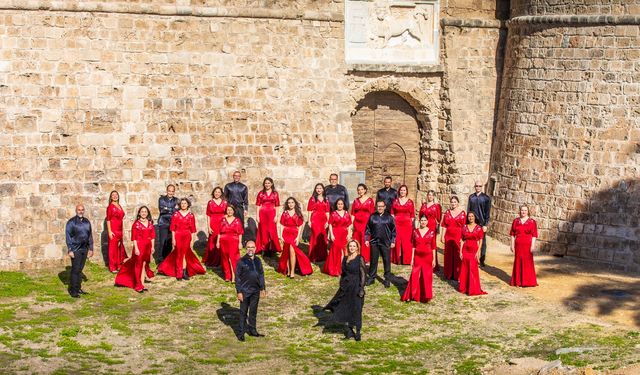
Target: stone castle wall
x,y
569,128
131,96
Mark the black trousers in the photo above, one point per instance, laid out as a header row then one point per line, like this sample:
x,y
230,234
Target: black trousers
x,y
164,240
249,304
376,251
483,249
77,264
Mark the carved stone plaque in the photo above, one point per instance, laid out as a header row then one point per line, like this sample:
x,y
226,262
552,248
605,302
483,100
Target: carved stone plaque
x,y
391,32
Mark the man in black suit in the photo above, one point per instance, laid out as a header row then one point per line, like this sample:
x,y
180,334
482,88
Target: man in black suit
x,y
387,194
167,205
237,194
250,287
79,246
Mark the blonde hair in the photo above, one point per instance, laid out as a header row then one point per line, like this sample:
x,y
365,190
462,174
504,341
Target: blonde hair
x,y
357,245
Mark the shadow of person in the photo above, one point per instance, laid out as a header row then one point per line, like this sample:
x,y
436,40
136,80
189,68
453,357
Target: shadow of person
x,y
230,316
325,320
400,283
65,276
104,243
200,244
443,278
250,231
497,272
271,260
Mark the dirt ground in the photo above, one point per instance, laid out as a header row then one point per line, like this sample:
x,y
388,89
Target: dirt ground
x,y
580,286
188,327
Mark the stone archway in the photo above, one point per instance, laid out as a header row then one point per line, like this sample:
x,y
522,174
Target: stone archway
x,y
387,140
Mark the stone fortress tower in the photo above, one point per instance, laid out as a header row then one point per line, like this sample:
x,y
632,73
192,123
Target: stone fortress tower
x,y
132,95
568,127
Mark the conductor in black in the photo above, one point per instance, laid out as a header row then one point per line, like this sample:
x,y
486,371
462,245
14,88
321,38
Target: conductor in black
x,y
250,287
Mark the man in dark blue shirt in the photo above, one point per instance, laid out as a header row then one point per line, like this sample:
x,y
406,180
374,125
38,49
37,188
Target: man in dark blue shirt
x,y
335,191
387,194
167,204
250,286
381,236
480,204
237,194
79,246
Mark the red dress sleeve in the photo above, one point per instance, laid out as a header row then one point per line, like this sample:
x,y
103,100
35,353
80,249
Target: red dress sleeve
x,y
276,199
423,210
464,218
153,231
259,199
310,205
299,220
445,220
393,207
192,223
348,218
512,232
412,209
534,229
438,212
210,208
282,221
134,231
174,221
239,228
332,218
109,212
353,206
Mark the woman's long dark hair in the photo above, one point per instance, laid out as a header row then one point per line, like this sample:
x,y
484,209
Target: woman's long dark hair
x,y
273,186
315,195
296,206
213,193
114,191
335,205
149,217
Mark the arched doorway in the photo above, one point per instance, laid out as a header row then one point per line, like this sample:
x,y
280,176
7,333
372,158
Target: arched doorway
x,y
386,135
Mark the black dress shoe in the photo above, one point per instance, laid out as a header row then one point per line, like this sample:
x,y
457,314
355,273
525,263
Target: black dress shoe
x,y
74,295
255,334
185,274
386,283
82,292
370,282
241,337
357,336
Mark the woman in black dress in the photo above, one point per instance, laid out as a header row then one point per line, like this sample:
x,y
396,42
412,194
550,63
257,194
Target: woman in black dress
x,y
347,304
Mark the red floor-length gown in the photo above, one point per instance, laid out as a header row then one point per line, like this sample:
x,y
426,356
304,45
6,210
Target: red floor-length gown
x,y
361,212
452,243
215,212
117,252
318,241
340,225
404,215
420,286
183,227
469,271
290,229
434,215
230,234
267,236
131,271
524,272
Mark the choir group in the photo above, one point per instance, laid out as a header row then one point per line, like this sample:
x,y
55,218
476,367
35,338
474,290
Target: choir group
x,y
384,227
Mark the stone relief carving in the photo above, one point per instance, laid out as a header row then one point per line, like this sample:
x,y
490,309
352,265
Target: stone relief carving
x,y
391,32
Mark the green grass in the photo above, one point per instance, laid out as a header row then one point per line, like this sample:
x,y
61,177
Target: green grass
x,y
187,327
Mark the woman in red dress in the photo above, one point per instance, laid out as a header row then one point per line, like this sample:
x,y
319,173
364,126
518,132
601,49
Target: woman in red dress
x,y
339,234
420,286
433,211
231,230
267,203
452,222
318,208
182,263
132,271
524,233
216,209
472,235
115,214
403,210
361,209
291,222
